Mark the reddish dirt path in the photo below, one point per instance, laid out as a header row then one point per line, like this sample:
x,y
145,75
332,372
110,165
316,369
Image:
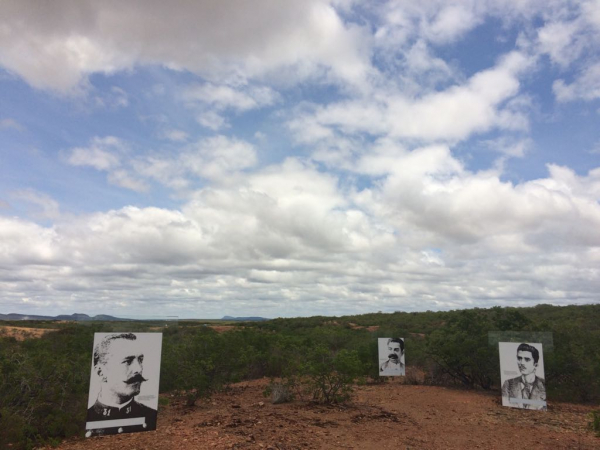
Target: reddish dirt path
x,y
389,416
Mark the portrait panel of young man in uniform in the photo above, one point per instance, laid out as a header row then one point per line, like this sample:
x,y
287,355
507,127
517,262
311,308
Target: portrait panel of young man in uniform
x,y
124,383
522,375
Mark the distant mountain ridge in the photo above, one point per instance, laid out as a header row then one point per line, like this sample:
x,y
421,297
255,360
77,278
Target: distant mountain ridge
x,y
74,317
77,317
244,319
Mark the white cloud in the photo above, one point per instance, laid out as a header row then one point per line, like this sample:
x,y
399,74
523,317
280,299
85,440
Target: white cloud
x,y
212,120
559,40
443,22
23,243
422,63
217,159
289,239
439,22
453,114
57,46
591,12
46,206
124,179
166,171
225,97
431,197
585,87
107,154
459,111
102,154
510,146
175,135
451,22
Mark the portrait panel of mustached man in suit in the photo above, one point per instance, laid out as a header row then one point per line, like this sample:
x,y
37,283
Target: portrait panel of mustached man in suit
x,y
124,383
391,357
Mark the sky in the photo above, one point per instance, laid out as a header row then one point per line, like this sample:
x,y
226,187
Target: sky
x,y
320,157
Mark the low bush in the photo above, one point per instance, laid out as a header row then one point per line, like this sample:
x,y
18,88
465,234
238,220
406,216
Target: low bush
x,y
331,375
595,423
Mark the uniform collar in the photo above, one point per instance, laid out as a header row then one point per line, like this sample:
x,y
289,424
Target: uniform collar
x,y
119,407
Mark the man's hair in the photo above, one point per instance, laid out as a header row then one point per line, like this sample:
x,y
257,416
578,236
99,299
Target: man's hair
x,y
399,341
531,349
102,347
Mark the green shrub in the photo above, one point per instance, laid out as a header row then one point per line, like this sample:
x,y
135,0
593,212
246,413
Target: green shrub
x,y
595,423
330,375
461,351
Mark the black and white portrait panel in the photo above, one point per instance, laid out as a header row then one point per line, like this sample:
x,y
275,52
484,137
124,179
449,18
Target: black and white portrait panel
x,y
124,383
522,375
391,357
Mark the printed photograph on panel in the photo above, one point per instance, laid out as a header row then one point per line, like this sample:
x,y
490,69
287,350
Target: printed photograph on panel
x,y
522,375
391,357
124,383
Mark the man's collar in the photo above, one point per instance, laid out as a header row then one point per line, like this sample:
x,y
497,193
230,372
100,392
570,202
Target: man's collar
x,y
523,381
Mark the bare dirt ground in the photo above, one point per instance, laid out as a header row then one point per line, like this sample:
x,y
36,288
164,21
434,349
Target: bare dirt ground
x,y
222,328
22,333
386,416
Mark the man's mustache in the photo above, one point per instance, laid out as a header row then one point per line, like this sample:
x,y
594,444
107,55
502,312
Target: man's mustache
x,y
137,378
393,356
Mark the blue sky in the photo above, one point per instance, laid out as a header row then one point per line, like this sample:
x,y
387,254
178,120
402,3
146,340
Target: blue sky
x,y
198,159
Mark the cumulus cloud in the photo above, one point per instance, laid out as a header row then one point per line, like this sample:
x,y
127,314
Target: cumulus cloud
x,y
429,194
125,180
174,135
212,120
571,39
430,235
101,154
24,243
45,206
211,101
510,146
451,22
585,87
217,159
57,46
559,41
438,21
453,114
107,154
226,97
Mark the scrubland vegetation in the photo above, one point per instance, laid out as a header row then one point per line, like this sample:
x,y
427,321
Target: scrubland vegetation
x,y
44,381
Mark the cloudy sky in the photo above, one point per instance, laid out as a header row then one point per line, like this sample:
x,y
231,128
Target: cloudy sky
x,y
200,158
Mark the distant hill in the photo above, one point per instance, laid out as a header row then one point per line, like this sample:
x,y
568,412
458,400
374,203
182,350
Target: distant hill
x,y
103,317
73,317
244,319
